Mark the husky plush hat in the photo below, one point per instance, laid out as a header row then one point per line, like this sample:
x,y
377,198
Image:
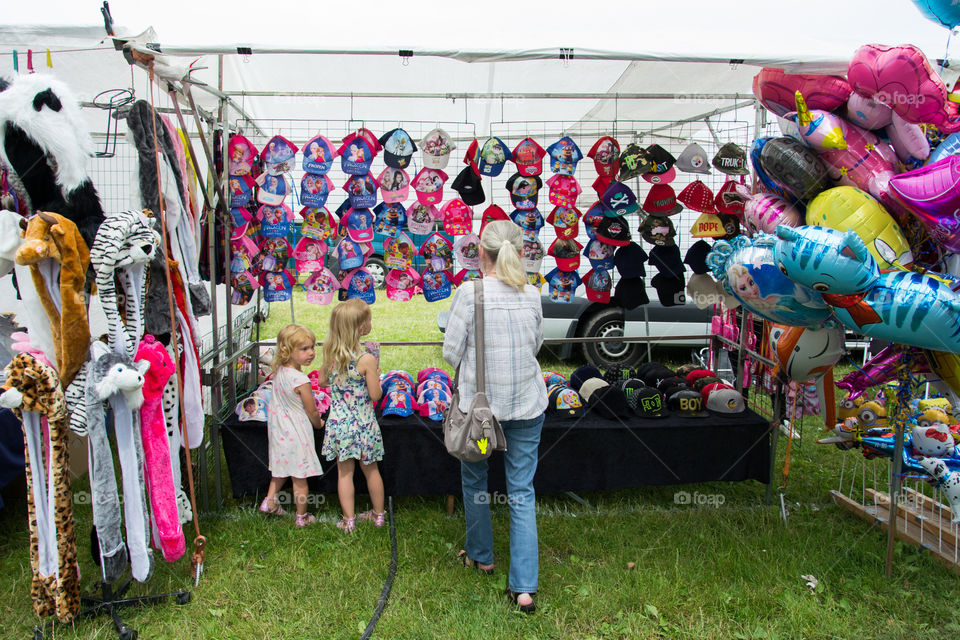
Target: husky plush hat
x,y
46,145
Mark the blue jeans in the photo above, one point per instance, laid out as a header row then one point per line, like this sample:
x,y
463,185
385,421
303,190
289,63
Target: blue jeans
x,y
520,463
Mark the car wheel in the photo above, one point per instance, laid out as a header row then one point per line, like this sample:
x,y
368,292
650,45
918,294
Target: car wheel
x,y
612,354
378,270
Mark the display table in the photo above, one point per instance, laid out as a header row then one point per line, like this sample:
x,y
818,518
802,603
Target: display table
x,y
585,454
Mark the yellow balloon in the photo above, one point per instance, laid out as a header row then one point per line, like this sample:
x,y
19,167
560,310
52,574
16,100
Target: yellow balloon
x,y
849,208
947,366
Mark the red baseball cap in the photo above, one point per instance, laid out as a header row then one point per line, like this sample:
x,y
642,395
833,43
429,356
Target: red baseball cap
x,y
566,251
528,156
662,200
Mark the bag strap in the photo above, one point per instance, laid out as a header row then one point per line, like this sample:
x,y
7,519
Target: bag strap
x,y
478,335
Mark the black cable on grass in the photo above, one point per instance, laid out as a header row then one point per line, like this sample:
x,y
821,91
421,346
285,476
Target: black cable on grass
x,y
391,574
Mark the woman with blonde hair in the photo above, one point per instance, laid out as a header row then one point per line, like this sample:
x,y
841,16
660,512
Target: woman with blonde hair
x,y
513,333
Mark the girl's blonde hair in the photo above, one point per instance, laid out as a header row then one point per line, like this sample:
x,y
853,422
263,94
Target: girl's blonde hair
x,y
502,242
289,338
343,339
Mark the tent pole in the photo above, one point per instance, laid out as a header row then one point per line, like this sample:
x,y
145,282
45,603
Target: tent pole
x,y
481,95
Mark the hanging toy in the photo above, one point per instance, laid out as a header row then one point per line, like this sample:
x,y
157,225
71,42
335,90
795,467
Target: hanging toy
x,y
948,481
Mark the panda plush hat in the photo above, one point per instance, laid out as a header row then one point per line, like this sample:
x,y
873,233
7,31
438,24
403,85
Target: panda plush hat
x,y
45,143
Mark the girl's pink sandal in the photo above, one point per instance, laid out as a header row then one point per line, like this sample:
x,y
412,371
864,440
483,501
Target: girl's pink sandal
x,y
347,524
378,519
275,510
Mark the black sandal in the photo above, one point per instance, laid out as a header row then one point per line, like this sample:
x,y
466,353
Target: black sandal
x,y
468,562
526,608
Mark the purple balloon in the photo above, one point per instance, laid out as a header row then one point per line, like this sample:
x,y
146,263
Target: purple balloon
x,y
932,193
881,369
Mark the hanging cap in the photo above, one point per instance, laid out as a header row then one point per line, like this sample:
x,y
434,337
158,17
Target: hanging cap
x,y
398,148
318,155
528,156
693,159
437,146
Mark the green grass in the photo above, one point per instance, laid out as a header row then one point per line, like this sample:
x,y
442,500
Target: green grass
x,y
732,571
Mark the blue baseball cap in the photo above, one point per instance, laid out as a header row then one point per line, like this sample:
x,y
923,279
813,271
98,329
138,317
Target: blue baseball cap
x,y
490,157
318,155
358,151
359,284
398,403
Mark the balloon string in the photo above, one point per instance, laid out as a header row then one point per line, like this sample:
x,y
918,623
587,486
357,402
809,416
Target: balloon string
x,y
946,53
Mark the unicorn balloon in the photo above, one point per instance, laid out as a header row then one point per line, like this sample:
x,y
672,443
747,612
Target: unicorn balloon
x,y
901,306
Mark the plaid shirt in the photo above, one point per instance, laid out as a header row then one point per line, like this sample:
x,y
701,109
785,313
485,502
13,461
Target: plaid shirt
x,y
513,333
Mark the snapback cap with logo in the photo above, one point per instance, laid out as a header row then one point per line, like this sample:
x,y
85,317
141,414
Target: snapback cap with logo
x,y
662,201
646,402
634,161
687,403
662,170
619,200
614,231
731,159
693,159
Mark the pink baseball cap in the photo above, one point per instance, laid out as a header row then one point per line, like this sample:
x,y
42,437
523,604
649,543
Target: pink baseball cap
x,y
394,185
321,287
457,217
402,284
428,183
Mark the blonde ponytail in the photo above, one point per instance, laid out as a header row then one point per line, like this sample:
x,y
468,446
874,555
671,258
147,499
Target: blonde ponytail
x,y
503,244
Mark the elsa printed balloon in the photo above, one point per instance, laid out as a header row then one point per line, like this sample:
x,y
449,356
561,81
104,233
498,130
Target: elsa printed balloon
x,y
746,268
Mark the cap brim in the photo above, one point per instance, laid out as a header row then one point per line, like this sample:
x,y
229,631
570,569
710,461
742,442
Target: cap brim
x,y
530,169
677,208
436,162
661,178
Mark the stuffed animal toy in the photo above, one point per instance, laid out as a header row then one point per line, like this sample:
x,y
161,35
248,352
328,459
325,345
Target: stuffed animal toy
x,y
53,241
947,480
46,144
114,378
32,390
156,449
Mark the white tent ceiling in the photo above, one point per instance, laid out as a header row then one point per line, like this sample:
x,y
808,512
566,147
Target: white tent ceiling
x,y
620,53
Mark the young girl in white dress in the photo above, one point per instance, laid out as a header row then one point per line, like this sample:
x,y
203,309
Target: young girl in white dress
x,y
291,418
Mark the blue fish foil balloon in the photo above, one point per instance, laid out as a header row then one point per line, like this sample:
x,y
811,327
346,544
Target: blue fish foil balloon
x,y
916,309
746,269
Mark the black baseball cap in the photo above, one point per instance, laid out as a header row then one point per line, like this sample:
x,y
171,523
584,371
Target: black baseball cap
x,y
653,372
613,231
609,402
670,291
687,403
646,402
470,186
630,386
582,374
667,260
672,380
696,257
564,401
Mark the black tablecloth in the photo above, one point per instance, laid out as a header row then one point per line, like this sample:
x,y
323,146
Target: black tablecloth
x,y
585,454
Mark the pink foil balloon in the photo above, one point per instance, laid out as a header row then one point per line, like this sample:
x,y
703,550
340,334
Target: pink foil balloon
x,y
764,211
775,89
902,78
932,193
908,140
881,369
867,112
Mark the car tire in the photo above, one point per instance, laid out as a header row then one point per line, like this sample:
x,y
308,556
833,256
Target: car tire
x,y
609,355
377,269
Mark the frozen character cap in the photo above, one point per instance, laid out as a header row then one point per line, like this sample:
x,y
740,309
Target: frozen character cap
x,y
277,285
358,151
600,254
565,221
394,185
457,217
273,189
436,285
390,219
662,201
359,284
402,284
524,190
278,155
566,252
318,155
731,159
606,156
274,221
352,254
564,156
697,196
241,190
488,158
321,287
428,183
437,146
491,213
398,148
469,185
634,161
662,170
421,217
398,403
315,189
598,285
361,191
359,224
467,251
242,155
399,252
619,200
532,256
693,159
564,190
562,285
528,156
614,231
